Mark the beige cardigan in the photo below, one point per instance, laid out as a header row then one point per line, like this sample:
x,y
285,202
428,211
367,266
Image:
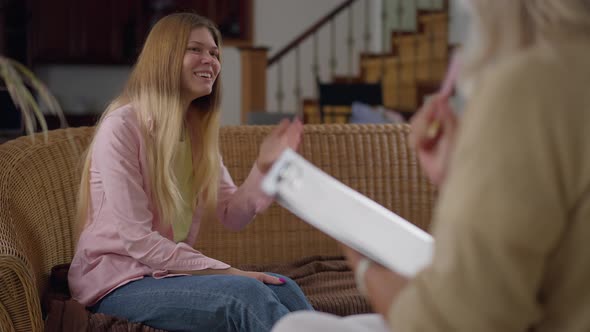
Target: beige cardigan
x,y
512,226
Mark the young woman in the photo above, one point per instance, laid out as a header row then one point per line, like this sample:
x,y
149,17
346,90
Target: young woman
x,y
152,175
511,224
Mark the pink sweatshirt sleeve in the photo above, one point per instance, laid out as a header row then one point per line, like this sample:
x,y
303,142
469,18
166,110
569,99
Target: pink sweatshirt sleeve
x,y
238,206
116,155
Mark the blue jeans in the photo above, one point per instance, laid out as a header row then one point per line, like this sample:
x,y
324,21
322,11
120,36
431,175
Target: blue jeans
x,y
204,303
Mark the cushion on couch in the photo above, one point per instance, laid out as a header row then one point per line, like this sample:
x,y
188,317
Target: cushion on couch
x,y
365,114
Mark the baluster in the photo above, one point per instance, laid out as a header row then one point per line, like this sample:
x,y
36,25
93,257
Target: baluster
x,y
333,61
367,34
315,67
280,92
399,26
350,40
297,91
385,39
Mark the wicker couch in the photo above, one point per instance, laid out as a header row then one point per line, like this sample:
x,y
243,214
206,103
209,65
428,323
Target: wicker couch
x,y
39,180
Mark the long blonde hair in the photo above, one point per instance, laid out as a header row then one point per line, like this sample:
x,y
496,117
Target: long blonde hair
x,y
154,89
503,27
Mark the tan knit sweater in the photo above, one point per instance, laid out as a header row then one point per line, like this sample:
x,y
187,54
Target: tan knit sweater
x,y
512,226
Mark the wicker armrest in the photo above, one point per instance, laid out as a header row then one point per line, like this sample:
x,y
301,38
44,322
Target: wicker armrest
x,y
20,308
38,185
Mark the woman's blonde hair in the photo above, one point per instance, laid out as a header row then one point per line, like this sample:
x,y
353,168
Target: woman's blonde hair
x,y
154,91
502,27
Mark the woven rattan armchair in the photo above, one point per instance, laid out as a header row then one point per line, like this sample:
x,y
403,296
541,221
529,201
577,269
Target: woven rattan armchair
x,y
39,181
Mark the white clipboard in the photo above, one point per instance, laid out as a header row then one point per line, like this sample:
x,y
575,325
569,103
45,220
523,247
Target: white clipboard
x,y
348,216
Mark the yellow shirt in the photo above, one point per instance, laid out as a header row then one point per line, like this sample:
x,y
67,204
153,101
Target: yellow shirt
x,y
512,225
183,169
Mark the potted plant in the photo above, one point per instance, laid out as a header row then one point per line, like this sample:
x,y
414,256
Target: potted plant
x,y
28,93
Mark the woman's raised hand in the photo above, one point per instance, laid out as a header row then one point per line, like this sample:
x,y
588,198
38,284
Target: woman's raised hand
x,y
287,134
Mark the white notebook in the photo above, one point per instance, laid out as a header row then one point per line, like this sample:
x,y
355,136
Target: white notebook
x,y
348,216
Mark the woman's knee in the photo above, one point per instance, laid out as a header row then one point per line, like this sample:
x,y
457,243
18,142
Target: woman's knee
x,y
252,291
290,294
253,306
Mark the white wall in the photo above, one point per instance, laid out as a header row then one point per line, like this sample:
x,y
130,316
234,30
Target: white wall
x,y
231,94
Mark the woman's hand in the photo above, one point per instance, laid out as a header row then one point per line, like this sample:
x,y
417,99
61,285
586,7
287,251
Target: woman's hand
x,y
286,134
263,277
382,285
433,135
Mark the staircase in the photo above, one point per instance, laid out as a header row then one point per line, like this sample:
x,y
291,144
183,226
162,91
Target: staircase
x,y
410,64
416,65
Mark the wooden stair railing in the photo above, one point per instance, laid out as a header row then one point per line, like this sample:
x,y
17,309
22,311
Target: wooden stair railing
x,y
416,63
312,31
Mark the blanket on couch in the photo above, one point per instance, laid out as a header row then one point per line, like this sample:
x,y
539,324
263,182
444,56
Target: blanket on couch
x,y
327,282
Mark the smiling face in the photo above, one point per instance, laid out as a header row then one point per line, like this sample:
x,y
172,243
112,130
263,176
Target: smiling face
x,y
200,65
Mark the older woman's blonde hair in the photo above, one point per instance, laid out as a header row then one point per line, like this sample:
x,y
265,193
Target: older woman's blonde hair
x,y
154,90
502,27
